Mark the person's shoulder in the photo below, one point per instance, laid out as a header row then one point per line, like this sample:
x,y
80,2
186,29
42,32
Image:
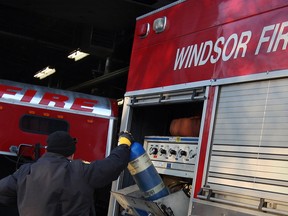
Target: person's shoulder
x,y
85,162
26,166
80,162
23,169
79,165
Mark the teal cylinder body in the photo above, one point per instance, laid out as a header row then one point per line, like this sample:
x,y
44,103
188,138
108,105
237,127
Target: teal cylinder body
x,y
145,174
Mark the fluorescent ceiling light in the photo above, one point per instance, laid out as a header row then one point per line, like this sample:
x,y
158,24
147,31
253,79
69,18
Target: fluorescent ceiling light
x,y
77,55
44,72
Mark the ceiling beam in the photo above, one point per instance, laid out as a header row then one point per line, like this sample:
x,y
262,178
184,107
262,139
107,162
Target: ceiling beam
x,y
101,79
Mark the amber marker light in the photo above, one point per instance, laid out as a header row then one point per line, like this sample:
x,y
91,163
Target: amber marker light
x,y
90,121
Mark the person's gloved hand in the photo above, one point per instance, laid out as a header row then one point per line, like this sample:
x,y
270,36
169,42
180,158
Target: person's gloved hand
x,y
125,138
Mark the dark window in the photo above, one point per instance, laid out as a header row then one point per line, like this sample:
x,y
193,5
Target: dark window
x,y
42,125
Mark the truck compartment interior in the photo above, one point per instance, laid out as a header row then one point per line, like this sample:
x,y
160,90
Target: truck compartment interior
x,y
155,120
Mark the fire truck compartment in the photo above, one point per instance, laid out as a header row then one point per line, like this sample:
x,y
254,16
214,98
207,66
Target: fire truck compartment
x,y
174,157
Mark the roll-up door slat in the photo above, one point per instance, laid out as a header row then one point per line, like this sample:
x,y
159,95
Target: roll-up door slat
x,y
252,185
276,151
252,173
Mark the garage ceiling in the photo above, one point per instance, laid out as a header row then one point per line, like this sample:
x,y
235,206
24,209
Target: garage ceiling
x,y
35,34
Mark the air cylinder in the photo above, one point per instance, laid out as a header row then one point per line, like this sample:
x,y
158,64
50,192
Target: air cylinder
x,y
145,174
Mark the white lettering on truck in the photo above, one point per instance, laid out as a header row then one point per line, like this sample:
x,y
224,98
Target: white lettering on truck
x,y
47,99
278,35
231,48
204,54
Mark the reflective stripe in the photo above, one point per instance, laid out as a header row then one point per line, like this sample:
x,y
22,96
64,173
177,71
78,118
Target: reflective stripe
x,y
139,164
155,190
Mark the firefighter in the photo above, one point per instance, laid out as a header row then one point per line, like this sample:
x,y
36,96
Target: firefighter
x,y
56,185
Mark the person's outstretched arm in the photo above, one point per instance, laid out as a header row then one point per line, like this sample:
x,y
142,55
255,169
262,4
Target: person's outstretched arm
x,y
102,172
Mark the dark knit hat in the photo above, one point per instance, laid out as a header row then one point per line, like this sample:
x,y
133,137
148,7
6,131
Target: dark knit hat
x,y
62,143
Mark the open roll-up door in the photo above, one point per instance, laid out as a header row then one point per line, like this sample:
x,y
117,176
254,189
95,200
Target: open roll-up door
x,y
249,149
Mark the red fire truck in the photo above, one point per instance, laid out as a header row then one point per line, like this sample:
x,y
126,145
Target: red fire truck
x,y
225,62
30,113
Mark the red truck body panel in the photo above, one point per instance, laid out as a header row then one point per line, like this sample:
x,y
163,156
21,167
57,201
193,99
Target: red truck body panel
x,y
206,40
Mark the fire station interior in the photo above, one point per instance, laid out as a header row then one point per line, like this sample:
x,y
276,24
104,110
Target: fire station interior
x,y
35,35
